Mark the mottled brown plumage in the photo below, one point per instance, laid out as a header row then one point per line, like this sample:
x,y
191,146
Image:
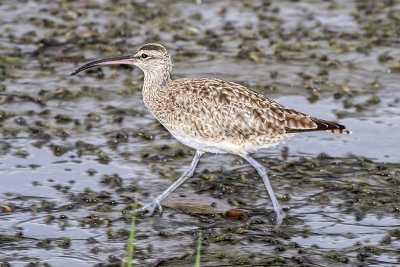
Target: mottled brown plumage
x,y
218,111
213,115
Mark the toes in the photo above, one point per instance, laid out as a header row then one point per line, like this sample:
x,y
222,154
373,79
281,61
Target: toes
x,y
159,207
148,210
279,218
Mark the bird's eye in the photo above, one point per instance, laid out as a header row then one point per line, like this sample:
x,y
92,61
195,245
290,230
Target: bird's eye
x,y
144,55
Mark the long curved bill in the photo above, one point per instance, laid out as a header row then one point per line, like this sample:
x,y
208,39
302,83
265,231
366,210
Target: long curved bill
x,y
106,61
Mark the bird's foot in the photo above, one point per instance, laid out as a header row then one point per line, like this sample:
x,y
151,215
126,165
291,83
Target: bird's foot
x,y
149,209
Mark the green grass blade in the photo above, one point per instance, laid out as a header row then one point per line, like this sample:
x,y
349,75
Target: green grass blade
x,y
131,240
197,263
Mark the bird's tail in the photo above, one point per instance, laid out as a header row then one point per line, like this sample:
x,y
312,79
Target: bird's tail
x,y
339,131
315,125
329,126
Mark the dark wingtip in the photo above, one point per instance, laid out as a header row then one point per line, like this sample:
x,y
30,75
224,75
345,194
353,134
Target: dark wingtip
x,y
320,125
74,73
330,126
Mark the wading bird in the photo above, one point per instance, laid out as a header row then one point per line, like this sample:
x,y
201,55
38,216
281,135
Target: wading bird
x,y
212,115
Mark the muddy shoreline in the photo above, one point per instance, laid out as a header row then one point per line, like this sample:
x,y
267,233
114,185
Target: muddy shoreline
x,y
75,153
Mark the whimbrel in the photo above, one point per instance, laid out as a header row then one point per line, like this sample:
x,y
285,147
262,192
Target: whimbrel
x,y
212,115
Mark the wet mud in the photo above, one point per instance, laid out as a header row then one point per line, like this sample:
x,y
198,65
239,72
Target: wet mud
x,y
77,152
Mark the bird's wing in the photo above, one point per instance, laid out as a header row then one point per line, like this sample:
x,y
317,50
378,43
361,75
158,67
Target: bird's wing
x,y
228,109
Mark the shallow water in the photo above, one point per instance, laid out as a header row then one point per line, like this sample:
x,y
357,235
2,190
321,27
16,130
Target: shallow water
x,y
63,138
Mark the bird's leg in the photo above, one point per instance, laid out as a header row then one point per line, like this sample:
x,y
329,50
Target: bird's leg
x,y
150,207
263,173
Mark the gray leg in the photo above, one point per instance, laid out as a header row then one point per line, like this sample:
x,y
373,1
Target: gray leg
x,y
186,175
263,173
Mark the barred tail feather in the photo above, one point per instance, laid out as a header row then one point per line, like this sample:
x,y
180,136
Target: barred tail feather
x,y
317,125
339,131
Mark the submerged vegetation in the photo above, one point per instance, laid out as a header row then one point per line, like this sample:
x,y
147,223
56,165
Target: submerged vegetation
x,y
75,155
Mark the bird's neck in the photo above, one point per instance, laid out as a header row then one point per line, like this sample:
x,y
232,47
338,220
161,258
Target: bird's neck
x,y
156,79
153,88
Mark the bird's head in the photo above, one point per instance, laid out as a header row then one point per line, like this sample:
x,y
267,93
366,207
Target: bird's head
x,y
151,58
